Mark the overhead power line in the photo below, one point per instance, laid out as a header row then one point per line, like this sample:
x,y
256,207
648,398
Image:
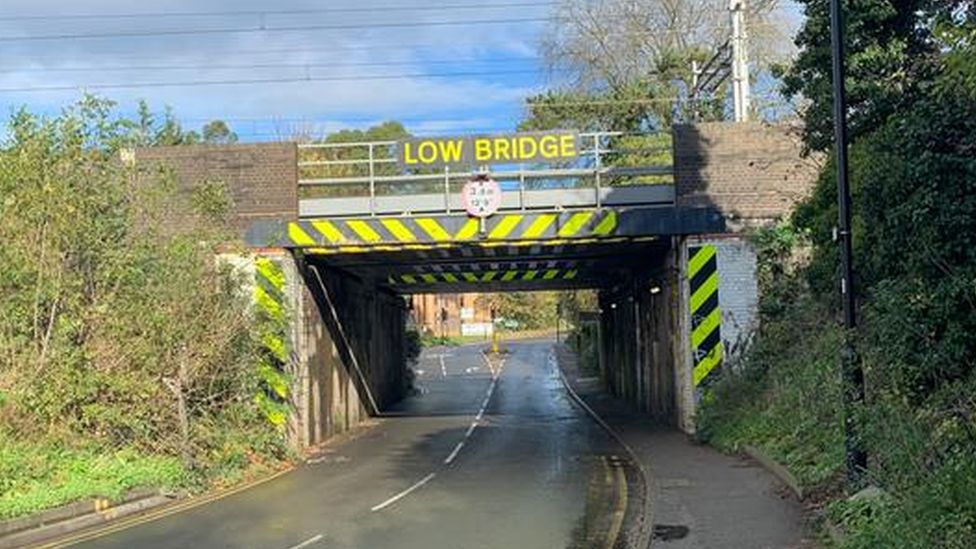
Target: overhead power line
x,y
273,12
598,102
229,82
288,134
263,28
439,46
334,48
408,120
318,64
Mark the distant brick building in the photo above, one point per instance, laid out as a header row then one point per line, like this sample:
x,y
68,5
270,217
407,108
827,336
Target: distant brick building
x,y
450,315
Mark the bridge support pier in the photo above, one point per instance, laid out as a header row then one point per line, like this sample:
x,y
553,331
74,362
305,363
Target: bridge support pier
x,y
344,340
716,315
678,324
636,333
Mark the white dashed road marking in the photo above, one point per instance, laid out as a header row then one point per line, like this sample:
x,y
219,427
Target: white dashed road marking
x,y
457,448
309,541
404,493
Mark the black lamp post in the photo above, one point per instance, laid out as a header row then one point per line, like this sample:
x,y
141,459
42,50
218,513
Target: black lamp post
x,y
852,376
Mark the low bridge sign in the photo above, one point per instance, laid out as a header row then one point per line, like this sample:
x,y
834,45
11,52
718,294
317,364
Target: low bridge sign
x,y
439,152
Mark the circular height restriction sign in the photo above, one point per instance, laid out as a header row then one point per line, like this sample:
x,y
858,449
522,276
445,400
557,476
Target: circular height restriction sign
x,y
481,196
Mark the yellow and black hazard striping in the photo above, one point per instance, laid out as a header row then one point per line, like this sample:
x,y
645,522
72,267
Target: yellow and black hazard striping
x,y
272,325
484,276
706,316
372,233
269,287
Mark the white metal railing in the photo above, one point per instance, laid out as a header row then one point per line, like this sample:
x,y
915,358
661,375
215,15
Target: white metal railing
x,y
331,166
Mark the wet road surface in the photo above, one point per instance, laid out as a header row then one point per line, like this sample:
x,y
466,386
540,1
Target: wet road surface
x,y
473,461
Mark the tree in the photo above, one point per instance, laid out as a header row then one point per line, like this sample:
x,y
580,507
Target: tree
x,y
389,131
892,50
912,180
217,132
531,310
614,43
110,330
148,131
631,60
912,76
628,68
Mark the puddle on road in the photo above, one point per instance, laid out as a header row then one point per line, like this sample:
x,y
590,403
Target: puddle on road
x,y
327,458
668,532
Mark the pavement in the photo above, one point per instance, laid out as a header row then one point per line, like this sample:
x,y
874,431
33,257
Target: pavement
x,y
700,498
485,455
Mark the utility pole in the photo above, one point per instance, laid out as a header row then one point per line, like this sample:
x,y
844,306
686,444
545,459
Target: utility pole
x,y
740,61
851,374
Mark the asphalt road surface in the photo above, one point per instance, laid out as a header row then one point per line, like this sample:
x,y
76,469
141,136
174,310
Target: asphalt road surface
x,y
479,458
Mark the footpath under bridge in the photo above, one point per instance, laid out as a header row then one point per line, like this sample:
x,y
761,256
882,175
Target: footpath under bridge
x,y
584,220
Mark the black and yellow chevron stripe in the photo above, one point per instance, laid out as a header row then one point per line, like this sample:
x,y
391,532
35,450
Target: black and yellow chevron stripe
x,y
372,233
269,287
272,323
484,276
706,316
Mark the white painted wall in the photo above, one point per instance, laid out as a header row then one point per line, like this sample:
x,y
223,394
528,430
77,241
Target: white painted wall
x,y
738,296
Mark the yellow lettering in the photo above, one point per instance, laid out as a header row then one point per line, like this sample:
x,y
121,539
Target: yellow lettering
x,y
548,147
567,146
482,150
427,152
512,148
528,148
502,149
451,150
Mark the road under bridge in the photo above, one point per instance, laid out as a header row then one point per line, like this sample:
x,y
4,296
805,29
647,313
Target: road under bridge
x,y
654,223
467,449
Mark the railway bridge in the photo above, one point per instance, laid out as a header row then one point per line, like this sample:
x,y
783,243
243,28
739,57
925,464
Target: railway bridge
x,y
657,223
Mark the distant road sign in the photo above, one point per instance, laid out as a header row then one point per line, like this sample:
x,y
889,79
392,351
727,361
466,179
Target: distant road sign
x,y
436,152
481,196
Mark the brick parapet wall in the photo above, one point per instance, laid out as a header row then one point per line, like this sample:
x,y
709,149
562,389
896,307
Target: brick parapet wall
x,y
752,172
262,178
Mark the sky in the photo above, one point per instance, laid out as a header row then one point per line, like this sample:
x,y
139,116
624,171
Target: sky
x,y
300,66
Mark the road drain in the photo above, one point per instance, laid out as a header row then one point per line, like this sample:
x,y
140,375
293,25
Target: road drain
x,y
669,532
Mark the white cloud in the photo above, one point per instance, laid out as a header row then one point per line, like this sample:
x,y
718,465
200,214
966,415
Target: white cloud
x,y
429,102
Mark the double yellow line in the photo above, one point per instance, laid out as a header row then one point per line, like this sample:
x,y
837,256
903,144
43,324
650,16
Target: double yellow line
x,y
615,476
171,509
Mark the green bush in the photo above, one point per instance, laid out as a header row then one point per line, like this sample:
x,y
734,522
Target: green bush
x,y
784,397
938,512
134,344
35,476
912,91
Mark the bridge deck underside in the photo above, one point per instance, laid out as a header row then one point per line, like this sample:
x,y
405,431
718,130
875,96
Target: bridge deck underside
x,y
471,268
570,248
